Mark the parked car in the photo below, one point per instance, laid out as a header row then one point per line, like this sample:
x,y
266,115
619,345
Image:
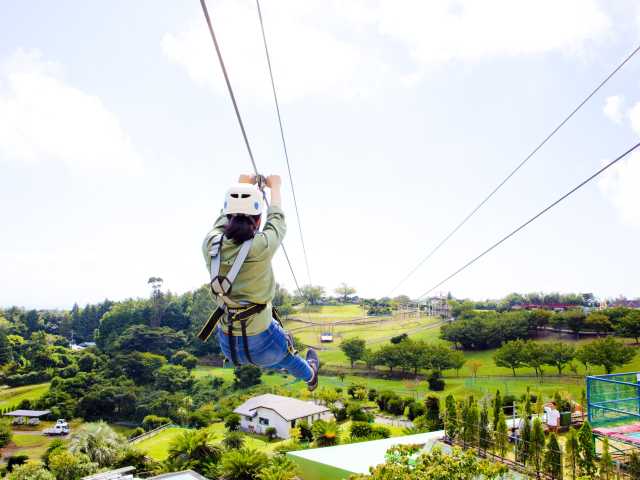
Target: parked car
x,y
60,428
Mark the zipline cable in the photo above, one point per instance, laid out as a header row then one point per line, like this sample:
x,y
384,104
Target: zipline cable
x,y
284,143
241,123
515,170
532,219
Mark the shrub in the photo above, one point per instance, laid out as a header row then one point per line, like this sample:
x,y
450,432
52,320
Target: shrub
x,y
16,460
384,397
184,359
380,431
232,422
306,434
372,395
5,433
339,413
436,383
233,441
357,414
136,433
415,409
151,422
271,433
30,378
360,430
395,406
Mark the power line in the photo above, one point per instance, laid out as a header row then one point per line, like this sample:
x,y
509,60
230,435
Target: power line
x,y
532,219
240,122
284,143
515,170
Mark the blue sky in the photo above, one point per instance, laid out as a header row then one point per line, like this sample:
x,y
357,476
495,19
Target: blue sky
x,y
118,140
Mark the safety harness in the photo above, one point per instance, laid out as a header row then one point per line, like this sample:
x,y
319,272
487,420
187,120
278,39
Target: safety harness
x,y
221,286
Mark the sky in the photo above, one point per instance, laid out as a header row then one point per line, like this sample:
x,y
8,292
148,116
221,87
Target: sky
x,y
118,141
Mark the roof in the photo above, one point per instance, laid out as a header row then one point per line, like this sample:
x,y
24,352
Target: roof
x,y
28,413
288,408
186,475
358,457
125,473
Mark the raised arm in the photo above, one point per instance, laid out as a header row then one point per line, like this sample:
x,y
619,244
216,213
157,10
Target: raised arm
x,y
275,228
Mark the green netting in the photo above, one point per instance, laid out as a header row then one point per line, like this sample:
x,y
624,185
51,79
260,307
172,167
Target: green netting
x,y
613,399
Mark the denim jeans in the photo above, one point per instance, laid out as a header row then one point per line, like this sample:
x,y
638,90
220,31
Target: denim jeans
x,y
269,349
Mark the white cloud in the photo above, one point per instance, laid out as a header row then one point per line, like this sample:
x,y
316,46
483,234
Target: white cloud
x,y
463,30
44,119
613,108
634,118
346,49
307,58
620,183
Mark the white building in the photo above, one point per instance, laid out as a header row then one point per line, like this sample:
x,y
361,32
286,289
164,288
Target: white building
x,y
264,411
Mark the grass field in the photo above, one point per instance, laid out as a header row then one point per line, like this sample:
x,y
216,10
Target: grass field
x,y
11,397
425,329
157,446
32,444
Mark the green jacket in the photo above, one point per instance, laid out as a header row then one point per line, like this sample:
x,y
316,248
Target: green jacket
x,y
255,283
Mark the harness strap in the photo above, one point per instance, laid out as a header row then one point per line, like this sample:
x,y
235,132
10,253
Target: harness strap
x,y
232,341
210,325
245,343
221,285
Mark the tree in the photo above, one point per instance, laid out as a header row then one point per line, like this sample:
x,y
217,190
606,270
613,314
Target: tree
x,y
67,466
247,376
195,448
243,464
232,422
537,446
553,458
457,361
312,294
326,433
572,449
451,423
629,325
524,442
573,320
474,366
6,433
607,352
281,468
484,433
497,408
587,459
173,378
30,471
99,442
559,354
598,322
605,466
345,291
510,355
184,359
501,435
354,349
535,356
436,465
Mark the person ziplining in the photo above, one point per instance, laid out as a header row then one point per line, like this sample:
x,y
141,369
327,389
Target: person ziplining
x,y
238,256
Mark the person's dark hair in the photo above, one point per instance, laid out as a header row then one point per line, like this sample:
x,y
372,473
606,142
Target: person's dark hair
x,y
241,227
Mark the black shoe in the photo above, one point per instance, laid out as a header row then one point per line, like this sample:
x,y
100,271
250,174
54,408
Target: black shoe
x,y
314,363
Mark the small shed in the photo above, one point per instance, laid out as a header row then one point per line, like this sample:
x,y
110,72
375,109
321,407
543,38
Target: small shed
x,y
29,417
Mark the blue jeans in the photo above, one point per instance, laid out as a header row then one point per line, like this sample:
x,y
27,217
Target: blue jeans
x,y
269,349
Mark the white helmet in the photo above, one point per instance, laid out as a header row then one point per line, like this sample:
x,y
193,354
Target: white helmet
x,y
244,199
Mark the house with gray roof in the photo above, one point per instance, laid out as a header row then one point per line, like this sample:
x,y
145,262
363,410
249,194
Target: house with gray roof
x,y
283,413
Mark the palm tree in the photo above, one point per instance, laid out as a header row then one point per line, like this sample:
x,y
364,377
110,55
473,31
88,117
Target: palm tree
x,y
194,446
99,442
233,440
326,433
281,468
243,464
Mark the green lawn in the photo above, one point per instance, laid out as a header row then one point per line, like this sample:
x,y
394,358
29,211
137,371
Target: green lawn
x,y
157,446
31,444
11,397
459,386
